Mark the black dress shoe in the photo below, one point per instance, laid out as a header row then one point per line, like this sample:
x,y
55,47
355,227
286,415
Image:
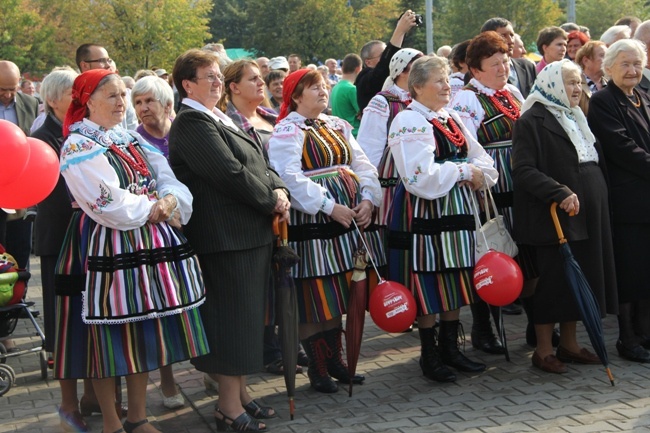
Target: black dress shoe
x,y
636,353
645,342
437,371
488,343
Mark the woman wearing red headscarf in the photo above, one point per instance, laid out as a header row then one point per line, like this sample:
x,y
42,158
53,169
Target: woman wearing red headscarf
x,y
126,275
332,183
576,39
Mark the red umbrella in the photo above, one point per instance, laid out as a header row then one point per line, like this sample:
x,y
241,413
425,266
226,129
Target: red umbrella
x,y
356,309
357,304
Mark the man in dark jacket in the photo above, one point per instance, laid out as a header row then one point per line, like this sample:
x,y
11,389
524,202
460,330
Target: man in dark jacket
x,y
376,58
522,71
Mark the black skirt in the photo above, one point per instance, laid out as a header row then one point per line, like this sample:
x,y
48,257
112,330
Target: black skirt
x,y
553,300
233,313
630,245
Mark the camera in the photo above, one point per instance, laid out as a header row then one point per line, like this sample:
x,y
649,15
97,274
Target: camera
x,y
418,20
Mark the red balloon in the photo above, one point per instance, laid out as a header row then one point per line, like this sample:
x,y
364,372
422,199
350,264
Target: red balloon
x,y
392,306
37,180
14,152
498,279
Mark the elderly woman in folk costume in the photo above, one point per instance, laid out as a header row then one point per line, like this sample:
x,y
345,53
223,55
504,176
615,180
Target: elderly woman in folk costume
x,y
440,164
489,107
125,267
333,186
373,133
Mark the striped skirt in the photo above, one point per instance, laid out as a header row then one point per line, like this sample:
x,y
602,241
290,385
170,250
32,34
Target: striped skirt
x,y
502,191
117,348
431,249
389,179
99,351
326,250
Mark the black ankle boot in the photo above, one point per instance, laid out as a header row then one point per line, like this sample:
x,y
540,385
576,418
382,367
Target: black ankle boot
x,y
317,352
482,336
448,348
432,366
336,367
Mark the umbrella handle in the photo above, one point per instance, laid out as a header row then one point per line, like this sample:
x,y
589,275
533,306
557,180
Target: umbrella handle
x,y
556,222
281,230
363,241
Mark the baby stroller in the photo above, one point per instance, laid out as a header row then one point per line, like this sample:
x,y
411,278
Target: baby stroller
x,y
13,283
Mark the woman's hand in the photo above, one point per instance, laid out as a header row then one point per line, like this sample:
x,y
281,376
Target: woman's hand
x,y
343,215
162,209
477,178
571,205
175,220
282,204
364,213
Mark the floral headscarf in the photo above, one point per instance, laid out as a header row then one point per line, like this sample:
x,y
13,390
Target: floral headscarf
x,y
549,91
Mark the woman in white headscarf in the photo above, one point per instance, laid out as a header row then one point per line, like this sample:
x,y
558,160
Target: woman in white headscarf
x,y
556,159
375,124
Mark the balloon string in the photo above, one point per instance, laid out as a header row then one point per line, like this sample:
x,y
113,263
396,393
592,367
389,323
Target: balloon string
x,y
365,245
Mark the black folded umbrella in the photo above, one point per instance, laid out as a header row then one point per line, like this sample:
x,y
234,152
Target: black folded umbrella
x,y
286,307
584,297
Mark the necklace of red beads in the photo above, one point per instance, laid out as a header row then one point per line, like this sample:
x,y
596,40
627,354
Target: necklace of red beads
x,y
511,112
135,160
452,132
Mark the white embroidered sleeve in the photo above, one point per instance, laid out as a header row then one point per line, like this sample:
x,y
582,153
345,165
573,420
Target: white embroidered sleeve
x,y
469,109
95,186
373,131
166,180
366,171
478,156
413,147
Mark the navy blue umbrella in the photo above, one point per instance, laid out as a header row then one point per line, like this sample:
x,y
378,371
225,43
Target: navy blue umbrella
x,y
584,297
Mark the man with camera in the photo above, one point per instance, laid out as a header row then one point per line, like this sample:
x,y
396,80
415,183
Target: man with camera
x,y
376,57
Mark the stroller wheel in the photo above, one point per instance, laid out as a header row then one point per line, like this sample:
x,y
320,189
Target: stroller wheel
x,y
43,360
7,377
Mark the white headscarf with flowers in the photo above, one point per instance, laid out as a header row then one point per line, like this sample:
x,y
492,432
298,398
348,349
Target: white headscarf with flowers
x,y
549,90
398,64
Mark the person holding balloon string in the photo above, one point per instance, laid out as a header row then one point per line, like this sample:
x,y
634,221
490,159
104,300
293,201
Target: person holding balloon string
x,y
431,224
556,159
332,185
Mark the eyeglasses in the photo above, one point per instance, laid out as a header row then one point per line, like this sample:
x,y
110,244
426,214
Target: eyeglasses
x,y
103,61
212,78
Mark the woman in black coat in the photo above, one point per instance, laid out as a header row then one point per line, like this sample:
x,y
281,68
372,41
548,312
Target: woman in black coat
x,y
236,195
619,115
555,159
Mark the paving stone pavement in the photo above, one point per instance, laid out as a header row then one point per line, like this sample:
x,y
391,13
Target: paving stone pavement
x,y
508,397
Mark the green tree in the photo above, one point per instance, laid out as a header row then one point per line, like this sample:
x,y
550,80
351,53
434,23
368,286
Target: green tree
x,y
230,23
150,32
315,29
599,15
464,18
26,38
